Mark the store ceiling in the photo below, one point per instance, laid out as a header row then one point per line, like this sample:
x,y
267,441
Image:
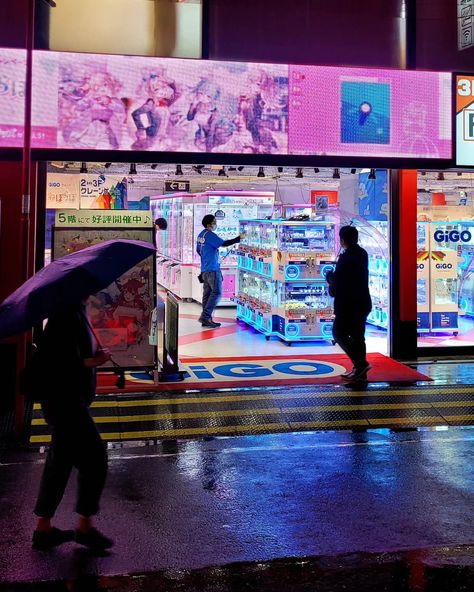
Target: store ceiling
x,y
246,176
209,178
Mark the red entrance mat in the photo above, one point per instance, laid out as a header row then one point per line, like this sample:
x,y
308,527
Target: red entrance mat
x,y
254,371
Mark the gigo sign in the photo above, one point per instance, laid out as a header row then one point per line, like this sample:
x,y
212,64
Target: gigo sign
x,y
452,236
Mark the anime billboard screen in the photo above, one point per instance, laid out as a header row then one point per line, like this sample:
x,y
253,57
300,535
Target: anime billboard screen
x,y
121,313
12,97
110,102
361,112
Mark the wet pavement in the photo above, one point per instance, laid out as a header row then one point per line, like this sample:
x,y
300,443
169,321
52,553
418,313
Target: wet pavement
x,y
183,506
420,570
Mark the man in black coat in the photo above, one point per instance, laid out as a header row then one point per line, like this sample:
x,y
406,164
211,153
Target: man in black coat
x,y
349,284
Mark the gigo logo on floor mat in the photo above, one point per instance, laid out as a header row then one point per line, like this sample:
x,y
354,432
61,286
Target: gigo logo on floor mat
x,y
262,370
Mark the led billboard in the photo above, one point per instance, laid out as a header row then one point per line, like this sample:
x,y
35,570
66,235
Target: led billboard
x,y
109,102
12,97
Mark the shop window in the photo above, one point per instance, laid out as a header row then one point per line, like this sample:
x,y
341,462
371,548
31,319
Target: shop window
x,y
445,267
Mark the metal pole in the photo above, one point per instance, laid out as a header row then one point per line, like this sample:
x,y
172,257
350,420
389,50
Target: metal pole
x,y
25,200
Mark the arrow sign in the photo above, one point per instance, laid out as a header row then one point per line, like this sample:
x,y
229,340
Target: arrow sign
x,y
177,186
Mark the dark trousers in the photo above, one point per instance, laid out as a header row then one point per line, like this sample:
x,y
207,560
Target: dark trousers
x,y
349,333
76,442
211,294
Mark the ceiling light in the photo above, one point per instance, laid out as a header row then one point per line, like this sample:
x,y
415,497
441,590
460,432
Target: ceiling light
x,y
423,173
108,165
153,166
335,174
353,171
83,167
459,174
440,176
131,181
198,168
316,170
280,169
133,169
179,170
261,172
221,172
240,168
299,173
372,174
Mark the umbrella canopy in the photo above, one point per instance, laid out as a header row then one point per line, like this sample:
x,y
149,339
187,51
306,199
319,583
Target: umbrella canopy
x,y
67,281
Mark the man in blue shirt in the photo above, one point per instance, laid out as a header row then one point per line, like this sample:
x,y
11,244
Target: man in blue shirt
x,y
208,244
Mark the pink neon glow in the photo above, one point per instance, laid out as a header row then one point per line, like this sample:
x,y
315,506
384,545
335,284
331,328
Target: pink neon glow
x,y
12,97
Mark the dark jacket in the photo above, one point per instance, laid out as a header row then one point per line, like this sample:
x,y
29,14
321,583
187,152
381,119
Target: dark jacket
x,y
64,345
351,283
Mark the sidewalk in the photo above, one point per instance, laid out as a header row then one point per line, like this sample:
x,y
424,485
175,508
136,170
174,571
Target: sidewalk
x,y
194,504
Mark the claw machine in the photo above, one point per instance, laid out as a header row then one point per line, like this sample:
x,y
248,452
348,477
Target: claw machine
x,y
282,288
178,264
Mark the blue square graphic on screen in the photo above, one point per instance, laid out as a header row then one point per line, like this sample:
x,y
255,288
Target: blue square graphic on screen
x,y
365,113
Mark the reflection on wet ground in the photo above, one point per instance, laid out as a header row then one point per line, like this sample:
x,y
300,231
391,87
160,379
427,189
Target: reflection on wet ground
x,y
448,569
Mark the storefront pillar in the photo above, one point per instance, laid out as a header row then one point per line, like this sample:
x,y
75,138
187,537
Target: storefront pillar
x,y
403,344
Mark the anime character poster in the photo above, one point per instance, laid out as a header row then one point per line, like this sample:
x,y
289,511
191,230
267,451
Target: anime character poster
x,y
161,104
121,312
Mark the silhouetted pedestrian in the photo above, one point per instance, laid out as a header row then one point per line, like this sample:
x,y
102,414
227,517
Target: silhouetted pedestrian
x,y
349,284
68,356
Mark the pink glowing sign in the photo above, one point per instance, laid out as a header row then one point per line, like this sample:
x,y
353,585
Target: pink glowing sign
x,y
357,112
108,102
12,97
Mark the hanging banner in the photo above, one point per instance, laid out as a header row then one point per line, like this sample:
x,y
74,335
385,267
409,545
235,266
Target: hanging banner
x,y
62,191
465,24
103,192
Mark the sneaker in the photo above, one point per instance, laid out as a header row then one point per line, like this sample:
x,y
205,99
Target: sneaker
x,y
348,375
360,374
210,324
48,539
93,539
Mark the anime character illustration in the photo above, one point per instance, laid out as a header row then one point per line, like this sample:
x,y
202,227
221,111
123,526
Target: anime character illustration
x,y
204,112
237,140
153,117
91,114
415,136
263,110
133,306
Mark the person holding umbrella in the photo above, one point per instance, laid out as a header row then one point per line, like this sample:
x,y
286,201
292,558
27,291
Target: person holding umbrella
x,y
62,376
69,355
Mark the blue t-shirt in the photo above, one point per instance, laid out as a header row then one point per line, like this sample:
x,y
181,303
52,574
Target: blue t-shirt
x,y
208,244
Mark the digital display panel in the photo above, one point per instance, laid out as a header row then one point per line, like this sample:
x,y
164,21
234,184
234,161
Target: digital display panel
x,y
465,120
12,97
110,102
361,112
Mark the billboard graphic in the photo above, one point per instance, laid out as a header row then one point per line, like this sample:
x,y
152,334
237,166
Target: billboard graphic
x,y
362,112
12,97
114,102
110,102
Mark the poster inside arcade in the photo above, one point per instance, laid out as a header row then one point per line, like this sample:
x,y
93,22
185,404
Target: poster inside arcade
x,y
465,120
120,313
109,102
